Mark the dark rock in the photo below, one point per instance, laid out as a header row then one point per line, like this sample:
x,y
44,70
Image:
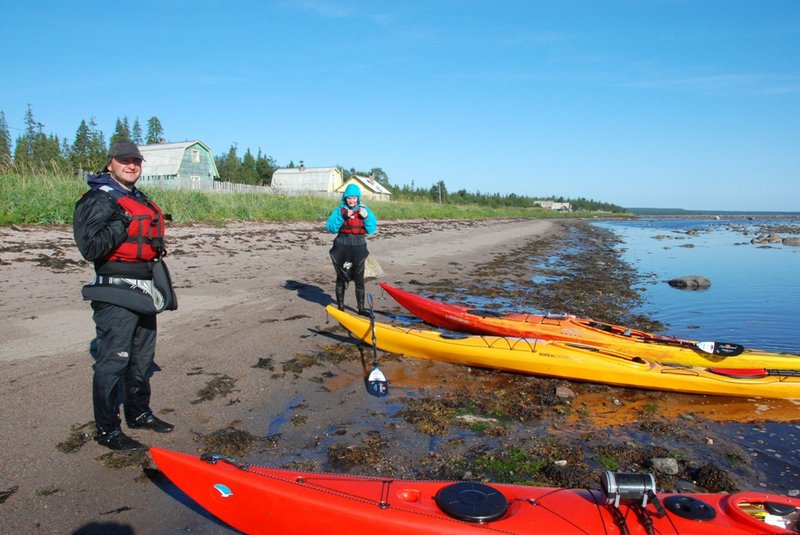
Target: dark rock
x,y
690,282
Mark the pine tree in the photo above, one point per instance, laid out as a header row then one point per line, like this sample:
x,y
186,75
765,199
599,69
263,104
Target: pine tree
x,y
80,155
98,151
5,142
154,131
228,165
121,131
248,169
136,132
265,167
23,149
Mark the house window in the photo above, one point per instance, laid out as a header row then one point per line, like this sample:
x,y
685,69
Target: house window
x,y
195,155
195,182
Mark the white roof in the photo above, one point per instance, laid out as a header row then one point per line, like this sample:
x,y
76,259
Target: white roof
x,y
306,178
164,159
373,184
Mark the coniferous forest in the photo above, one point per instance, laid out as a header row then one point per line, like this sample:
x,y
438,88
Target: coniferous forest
x,y
86,150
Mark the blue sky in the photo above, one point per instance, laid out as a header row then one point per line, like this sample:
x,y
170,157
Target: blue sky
x,y
653,103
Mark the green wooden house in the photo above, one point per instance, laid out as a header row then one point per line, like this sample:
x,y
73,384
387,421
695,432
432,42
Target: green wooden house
x,y
185,165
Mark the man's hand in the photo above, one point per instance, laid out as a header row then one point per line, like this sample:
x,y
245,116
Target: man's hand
x,y
363,212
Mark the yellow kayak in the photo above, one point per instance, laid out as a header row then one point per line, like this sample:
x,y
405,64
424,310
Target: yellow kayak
x,y
569,360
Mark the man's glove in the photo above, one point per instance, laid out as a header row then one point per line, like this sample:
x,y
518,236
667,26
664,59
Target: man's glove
x,y
363,212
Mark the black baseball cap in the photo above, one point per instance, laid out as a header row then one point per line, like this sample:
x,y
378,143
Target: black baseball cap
x,y
122,149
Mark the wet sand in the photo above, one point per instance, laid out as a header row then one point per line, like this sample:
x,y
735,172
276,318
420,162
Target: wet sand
x,y
251,298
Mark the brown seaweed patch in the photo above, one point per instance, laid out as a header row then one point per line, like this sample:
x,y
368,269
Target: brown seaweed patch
x,y
58,262
370,453
486,405
300,362
264,363
48,491
7,493
329,354
79,435
714,479
338,353
431,416
232,442
569,476
299,419
220,386
125,459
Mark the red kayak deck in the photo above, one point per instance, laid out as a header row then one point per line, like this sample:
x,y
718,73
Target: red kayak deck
x,y
268,500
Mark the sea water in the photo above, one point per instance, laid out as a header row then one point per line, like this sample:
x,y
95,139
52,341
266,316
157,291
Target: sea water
x,y
754,297
753,300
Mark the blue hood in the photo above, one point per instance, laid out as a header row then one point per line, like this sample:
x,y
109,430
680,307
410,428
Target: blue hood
x,y
350,191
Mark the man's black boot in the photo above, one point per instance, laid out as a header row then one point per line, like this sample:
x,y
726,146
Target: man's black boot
x,y
340,288
149,421
117,440
360,293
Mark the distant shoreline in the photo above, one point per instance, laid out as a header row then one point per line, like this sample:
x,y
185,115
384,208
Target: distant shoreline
x,y
669,212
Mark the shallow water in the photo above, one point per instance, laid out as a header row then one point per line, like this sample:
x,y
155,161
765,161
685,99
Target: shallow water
x,y
754,294
753,300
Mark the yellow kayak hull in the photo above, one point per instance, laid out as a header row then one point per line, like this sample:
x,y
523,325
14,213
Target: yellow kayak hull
x,y
567,360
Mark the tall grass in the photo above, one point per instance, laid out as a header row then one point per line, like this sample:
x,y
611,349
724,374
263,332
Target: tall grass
x,y
47,196
38,196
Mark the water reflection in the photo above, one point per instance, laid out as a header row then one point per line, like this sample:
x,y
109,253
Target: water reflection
x,y
754,292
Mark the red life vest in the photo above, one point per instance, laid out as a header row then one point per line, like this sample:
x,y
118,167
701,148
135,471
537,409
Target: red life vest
x,y
145,231
353,224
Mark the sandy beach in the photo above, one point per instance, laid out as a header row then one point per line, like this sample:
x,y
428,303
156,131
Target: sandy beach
x,y
251,298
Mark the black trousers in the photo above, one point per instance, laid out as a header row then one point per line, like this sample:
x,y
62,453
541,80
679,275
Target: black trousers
x,y
349,255
124,351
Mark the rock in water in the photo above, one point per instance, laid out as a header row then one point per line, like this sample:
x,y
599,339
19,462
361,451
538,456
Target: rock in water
x,y
690,282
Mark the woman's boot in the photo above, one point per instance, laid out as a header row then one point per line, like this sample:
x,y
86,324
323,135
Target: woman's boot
x,y
340,288
360,293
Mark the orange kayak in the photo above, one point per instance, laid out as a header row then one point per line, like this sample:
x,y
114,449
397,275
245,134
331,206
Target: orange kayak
x,y
256,499
566,327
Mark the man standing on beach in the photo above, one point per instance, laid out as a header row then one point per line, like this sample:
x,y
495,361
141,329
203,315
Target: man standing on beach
x,y
119,229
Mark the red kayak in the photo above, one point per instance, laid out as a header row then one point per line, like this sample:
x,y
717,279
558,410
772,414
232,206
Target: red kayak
x,y
569,328
257,499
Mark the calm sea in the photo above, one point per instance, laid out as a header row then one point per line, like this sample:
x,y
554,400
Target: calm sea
x,y
754,297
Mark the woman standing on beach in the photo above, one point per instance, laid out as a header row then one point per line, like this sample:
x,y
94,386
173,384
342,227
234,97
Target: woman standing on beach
x,y
352,222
